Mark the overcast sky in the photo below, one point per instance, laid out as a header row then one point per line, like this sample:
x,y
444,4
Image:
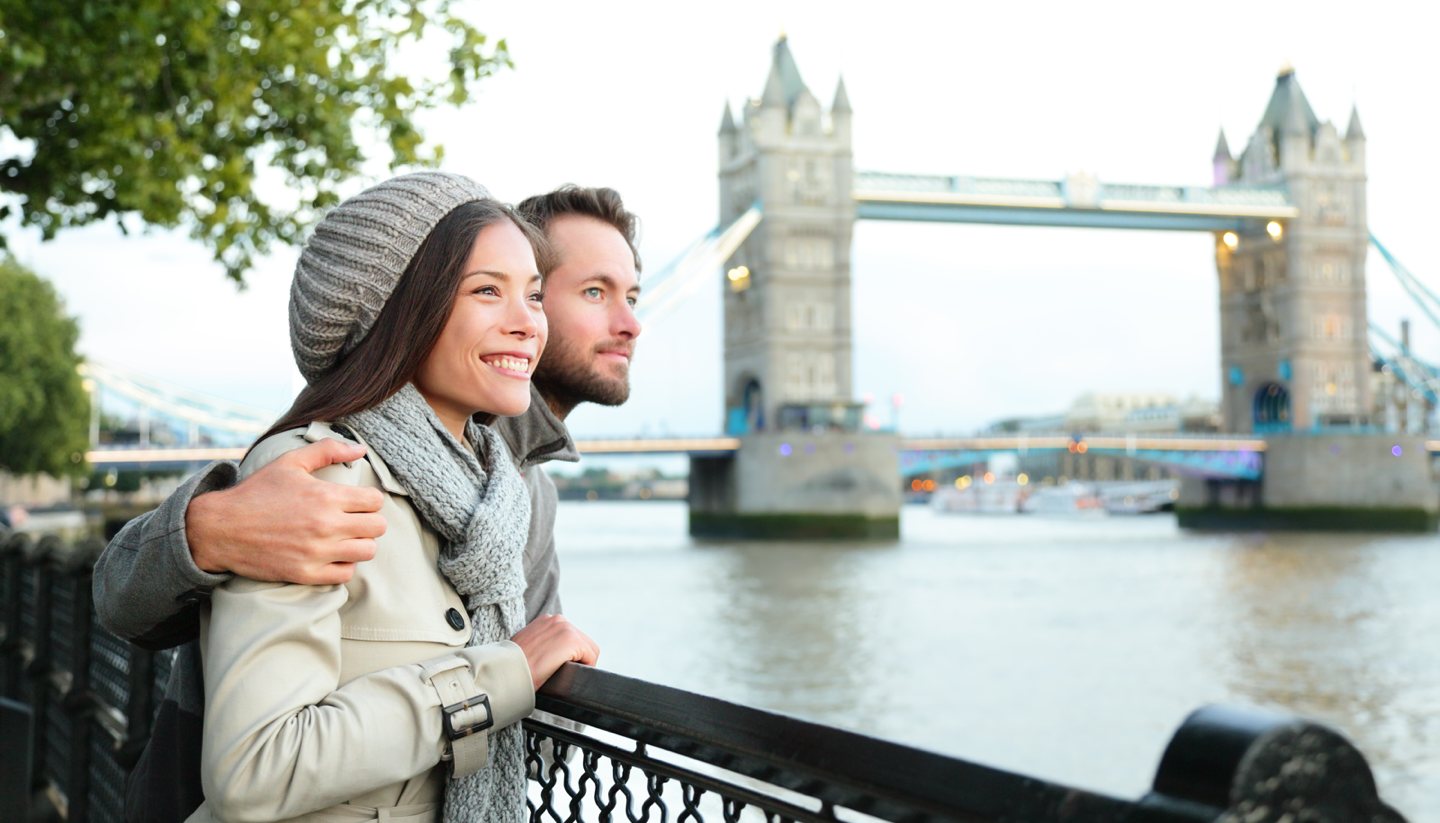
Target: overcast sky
x,y
967,323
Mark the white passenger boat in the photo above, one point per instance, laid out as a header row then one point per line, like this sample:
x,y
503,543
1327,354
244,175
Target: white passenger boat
x,y
999,497
1064,499
1146,497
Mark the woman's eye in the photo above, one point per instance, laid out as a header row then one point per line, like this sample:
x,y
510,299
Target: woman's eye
x,y
489,291
537,297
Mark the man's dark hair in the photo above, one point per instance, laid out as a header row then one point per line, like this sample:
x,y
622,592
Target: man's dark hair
x,y
602,204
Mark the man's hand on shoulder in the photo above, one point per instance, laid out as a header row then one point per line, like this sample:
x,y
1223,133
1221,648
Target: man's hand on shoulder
x,y
282,524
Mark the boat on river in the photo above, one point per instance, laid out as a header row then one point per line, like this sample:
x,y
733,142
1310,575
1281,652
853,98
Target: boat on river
x,y
1064,499
999,497
1147,497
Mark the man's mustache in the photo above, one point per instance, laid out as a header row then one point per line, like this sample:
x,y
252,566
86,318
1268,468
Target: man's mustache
x,y
624,347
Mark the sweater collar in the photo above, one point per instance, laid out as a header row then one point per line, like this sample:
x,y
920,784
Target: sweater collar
x,y
537,436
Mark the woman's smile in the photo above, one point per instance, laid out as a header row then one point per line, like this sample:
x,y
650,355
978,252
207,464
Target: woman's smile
x,y
511,364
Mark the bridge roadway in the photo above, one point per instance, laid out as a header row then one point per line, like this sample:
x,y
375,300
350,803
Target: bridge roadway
x,y
153,457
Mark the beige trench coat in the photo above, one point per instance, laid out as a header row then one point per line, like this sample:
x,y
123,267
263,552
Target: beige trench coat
x,y
317,707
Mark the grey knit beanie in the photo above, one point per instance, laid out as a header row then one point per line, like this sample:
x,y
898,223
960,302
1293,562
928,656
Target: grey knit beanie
x,y
355,258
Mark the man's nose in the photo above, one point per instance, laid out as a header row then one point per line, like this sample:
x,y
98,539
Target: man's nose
x,y
625,323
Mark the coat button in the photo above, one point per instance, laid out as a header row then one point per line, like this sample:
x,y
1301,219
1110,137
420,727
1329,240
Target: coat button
x,y
455,619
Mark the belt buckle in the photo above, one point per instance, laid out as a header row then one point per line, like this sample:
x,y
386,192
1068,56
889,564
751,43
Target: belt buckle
x,y
448,713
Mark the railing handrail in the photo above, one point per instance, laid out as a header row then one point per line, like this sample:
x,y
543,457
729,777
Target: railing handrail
x,y
846,768
883,778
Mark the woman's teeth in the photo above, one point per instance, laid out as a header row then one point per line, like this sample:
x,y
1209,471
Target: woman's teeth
x,y
510,363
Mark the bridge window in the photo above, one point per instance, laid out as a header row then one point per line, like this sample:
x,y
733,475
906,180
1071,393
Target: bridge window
x,y
1332,208
810,315
795,383
809,252
1330,327
808,180
797,316
1274,270
1331,271
824,317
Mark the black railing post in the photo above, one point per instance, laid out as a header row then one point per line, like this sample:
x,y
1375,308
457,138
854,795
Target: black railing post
x,y
36,593
13,546
74,607
16,715
120,677
1266,766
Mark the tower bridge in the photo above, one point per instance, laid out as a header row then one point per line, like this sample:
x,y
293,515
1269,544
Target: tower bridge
x,y
1289,222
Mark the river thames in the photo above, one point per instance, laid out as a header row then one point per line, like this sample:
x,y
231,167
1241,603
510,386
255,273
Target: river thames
x,y
1070,649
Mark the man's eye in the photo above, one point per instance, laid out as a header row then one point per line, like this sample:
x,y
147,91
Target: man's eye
x,y
593,291
632,301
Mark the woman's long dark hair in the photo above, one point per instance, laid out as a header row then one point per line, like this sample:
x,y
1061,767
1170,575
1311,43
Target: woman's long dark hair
x,y
407,328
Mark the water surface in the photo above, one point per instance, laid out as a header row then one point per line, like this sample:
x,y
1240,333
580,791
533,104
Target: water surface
x,y
1065,648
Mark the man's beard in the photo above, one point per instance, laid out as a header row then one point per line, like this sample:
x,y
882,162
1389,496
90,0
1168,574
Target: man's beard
x,y
568,377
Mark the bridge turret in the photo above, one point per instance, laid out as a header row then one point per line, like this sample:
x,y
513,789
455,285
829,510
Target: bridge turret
x,y
1295,138
769,117
729,135
1355,139
805,115
840,112
1329,151
1224,164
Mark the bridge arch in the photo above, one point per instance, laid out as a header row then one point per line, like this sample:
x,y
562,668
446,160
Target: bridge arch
x,y
745,411
1271,409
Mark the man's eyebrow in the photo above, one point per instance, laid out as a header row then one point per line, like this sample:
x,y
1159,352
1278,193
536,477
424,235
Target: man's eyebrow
x,y
610,281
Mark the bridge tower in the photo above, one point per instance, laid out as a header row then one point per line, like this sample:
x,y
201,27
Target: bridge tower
x,y
805,468
787,305
1294,342
1293,325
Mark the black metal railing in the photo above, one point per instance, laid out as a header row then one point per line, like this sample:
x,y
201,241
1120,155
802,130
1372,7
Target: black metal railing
x,y
76,705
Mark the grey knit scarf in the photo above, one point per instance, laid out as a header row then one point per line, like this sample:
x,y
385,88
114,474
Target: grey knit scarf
x,y
476,501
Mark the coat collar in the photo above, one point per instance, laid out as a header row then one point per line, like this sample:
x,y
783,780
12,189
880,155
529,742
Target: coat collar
x,y
319,430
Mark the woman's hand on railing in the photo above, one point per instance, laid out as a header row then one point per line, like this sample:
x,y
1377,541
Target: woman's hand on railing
x,y
551,641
